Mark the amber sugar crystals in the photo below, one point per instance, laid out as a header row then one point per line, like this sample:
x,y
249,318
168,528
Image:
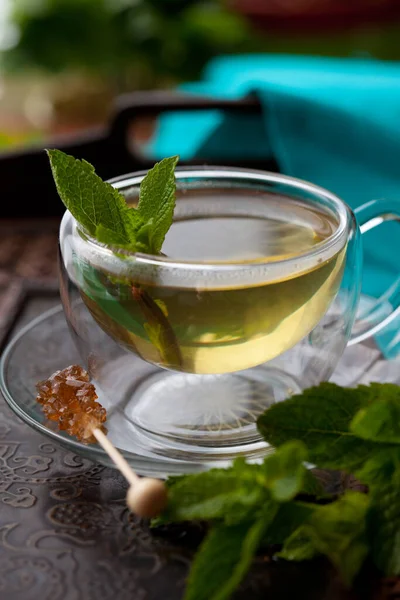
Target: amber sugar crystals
x,y
69,398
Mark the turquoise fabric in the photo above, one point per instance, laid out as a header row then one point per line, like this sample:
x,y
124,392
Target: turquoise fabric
x,y
335,122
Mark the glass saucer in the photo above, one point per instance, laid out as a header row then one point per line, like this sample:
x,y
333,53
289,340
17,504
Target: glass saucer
x,y
44,346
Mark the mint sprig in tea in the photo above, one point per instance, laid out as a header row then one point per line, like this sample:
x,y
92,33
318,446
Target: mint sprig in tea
x,y
187,324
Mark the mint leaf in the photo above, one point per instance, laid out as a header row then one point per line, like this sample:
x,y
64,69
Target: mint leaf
x,y
157,200
89,199
103,211
384,527
380,420
289,517
230,494
285,472
99,293
143,234
381,467
108,237
224,559
337,530
321,417
240,492
158,328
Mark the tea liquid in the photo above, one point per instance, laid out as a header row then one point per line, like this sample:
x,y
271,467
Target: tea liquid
x,y
217,330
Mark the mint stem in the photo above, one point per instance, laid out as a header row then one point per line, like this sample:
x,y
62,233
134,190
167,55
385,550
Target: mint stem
x,y
168,347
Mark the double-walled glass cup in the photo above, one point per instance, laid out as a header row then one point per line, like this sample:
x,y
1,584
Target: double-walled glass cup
x,y
191,351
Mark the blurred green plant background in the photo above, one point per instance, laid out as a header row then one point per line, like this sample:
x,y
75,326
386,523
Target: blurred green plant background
x,y
145,43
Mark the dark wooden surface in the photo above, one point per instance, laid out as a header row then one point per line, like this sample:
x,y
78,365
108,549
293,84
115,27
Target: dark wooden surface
x,y
65,533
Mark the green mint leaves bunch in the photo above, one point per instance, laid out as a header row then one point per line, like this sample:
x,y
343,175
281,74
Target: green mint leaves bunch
x,y
356,431
103,211
279,502
246,504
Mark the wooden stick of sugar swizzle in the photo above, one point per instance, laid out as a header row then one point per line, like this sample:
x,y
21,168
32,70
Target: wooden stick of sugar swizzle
x,y
146,497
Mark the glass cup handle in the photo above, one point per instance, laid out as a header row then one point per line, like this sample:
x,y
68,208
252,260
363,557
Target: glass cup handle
x,y
369,216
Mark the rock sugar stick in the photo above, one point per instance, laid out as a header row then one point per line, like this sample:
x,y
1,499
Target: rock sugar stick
x,y
68,398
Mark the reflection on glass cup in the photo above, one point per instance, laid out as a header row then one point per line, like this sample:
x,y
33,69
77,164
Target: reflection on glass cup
x,y
253,299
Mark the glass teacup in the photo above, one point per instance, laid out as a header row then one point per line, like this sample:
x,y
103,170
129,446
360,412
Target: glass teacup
x,y
253,300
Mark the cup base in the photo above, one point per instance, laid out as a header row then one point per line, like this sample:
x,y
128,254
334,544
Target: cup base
x,y
193,417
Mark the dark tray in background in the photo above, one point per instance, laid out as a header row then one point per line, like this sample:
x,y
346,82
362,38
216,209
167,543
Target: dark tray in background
x,y
28,190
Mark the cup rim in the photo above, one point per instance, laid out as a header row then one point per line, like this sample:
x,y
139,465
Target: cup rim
x,y
220,173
